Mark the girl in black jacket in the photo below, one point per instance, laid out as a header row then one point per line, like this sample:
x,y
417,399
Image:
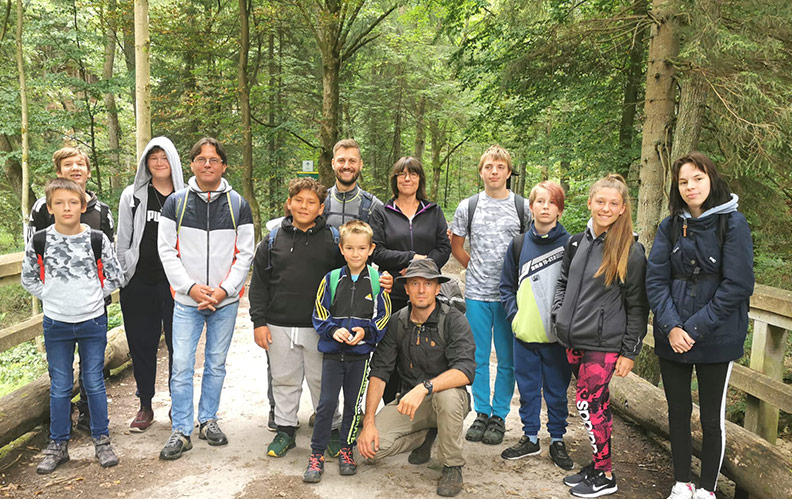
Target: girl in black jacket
x,y
699,281
600,314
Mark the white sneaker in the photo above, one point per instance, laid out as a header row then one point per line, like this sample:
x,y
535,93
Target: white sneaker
x,y
682,490
704,494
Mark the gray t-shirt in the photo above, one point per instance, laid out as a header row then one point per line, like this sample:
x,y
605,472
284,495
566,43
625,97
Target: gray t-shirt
x,y
495,223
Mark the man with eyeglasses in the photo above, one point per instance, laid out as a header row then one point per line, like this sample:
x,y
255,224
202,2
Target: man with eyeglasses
x,y
345,199
206,243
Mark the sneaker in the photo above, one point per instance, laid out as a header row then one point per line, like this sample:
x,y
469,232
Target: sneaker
x,y
682,490
104,451
703,494
477,428
313,474
494,432
423,453
521,449
334,444
212,433
55,454
143,420
271,425
595,486
581,475
450,483
176,445
280,445
559,456
346,461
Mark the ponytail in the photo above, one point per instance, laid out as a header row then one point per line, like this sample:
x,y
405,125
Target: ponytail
x,y
619,239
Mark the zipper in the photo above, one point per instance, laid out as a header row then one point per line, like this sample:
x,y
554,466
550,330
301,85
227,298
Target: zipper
x,y
208,252
600,322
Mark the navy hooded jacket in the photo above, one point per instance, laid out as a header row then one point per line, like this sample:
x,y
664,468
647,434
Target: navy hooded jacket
x,y
713,307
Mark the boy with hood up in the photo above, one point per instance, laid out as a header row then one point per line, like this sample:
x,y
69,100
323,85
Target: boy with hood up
x,y
146,301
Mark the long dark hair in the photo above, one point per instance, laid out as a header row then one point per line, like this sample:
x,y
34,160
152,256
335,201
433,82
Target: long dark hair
x,y
412,165
719,189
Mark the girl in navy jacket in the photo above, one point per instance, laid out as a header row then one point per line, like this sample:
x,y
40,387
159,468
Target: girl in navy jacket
x,y
699,281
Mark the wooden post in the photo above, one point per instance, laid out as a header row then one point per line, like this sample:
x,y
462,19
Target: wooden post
x,y
767,356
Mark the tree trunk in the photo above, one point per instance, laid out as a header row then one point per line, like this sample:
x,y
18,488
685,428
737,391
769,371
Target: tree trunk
x,y
397,129
13,172
563,175
521,179
328,131
632,86
244,110
25,201
129,46
142,76
659,112
113,127
420,129
273,96
438,137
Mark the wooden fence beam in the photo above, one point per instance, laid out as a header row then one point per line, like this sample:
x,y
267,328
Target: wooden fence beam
x,y
20,333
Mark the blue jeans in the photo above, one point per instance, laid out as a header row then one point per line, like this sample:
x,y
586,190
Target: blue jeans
x,y
488,322
188,323
543,369
59,340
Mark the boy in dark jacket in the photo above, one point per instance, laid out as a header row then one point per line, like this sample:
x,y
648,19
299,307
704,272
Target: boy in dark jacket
x,y
350,317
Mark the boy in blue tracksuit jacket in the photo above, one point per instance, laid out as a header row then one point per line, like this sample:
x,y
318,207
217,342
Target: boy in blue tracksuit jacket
x,y
350,316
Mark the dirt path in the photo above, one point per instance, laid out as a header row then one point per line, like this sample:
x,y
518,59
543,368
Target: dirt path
x,y
242,470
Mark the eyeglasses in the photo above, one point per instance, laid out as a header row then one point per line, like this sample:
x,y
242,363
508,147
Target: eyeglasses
x,y
406,174
201,161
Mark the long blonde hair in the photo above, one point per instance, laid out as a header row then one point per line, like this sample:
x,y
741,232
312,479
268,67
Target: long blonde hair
x,y
619,239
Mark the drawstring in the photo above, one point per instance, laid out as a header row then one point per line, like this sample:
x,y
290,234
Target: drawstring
x,y
294,235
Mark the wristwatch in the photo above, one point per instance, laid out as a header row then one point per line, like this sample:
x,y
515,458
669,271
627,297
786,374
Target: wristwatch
x,y
428,385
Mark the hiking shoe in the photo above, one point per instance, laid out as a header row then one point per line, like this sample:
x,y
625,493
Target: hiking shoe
x,y
271,425
581,475
84,420
334,444
558,454
495,430
281,444
313,474
703,494
450,483
104,451
423,453
346,461
176,445
477,428
682,490
55,454
212,433
595,486
143,420
521,449
311,420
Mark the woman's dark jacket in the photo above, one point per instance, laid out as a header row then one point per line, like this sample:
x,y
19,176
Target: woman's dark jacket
x,y
591,316
711,303
398,239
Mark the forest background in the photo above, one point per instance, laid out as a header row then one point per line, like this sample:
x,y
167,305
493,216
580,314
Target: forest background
x,y
574,89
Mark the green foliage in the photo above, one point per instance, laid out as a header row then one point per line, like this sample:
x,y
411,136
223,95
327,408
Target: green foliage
x,y
15,304
114,316
21,365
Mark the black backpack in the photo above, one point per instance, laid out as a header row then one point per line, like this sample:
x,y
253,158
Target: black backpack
x,y
39,241
364,210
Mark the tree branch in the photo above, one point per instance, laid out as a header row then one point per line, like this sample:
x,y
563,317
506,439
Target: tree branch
x,y
296,135
451,151
357,42
5,21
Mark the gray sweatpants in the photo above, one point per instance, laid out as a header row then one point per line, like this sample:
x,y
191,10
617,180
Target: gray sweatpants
x,y
294,356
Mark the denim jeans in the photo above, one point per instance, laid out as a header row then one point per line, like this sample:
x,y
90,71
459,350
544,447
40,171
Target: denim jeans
x,y
188,324
60,339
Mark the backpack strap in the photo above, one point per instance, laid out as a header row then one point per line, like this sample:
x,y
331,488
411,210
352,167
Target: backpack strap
x,y
366,202
104,213
517,246
273,234
181,207
96,247
39,241
335,276
234,203
335,233
444,309
375,285
519,205
472,202
574,242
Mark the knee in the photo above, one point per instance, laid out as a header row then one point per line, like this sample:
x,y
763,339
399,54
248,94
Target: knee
x,y
451,404
61,386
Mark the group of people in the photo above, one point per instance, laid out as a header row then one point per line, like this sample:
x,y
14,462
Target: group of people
x,y
553,305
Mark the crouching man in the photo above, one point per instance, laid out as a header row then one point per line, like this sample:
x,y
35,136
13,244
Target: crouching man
x,y
436,360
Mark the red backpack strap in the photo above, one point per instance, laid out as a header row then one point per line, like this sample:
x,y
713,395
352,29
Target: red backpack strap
x,y
96,247
39,241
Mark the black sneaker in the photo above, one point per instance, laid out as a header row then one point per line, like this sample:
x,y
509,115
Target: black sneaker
x,y
55,454
313,473
521,449
581,475
450,483
346,462
271,425
496,427
212,433
176,445
423,453
477,428
595,486
558,454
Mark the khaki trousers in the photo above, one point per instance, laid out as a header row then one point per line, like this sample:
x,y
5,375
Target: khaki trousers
x,y
444,410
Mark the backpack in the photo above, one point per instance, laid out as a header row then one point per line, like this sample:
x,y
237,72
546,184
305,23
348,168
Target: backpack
x,y
451,295
234,203
40,244
519,205
273,234
404,313
335,276
364,210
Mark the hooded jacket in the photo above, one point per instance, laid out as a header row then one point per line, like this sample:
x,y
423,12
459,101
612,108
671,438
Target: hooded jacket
x,y
398,239
710,304
132,221
206,250
286,277
591,316
527,287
